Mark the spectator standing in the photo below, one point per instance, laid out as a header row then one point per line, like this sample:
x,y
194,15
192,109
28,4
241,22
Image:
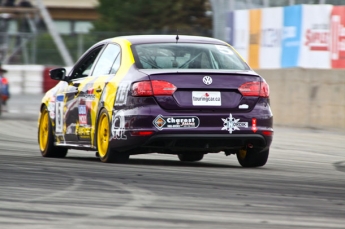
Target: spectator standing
x,y
4,88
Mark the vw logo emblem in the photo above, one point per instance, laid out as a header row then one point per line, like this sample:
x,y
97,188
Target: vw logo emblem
x,y
207,80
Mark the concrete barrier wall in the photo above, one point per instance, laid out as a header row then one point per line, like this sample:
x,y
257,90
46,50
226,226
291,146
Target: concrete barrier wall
x,y
25,79
299,97
307,97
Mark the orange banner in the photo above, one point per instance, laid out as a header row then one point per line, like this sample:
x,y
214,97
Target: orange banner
x,y
254,39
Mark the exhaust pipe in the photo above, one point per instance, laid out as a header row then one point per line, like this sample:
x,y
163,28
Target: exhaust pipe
x,y
250,145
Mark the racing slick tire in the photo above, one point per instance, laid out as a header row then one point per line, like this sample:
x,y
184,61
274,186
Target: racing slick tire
x,y
46,137
249,158
190,157
103,136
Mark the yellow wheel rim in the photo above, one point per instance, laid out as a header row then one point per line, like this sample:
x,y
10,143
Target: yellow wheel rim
x,y
242,153
103,135
44,130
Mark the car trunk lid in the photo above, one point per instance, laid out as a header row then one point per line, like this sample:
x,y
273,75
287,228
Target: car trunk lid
x,y
205,91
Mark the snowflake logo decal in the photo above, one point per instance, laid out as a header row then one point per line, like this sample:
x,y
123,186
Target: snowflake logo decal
x,y
231,124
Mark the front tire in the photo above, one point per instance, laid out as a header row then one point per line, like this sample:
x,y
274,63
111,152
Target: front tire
x,y
46,137
103,136
249,158
190,157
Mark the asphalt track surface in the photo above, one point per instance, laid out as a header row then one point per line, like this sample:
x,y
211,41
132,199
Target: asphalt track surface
x,y
302,186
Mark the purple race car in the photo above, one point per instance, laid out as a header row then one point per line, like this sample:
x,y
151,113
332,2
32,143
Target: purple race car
x,y
182,95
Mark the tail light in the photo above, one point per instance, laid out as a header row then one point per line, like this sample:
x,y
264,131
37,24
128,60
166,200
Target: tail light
x,y
141,133
267,133
142,88
154,87
255,88
4,81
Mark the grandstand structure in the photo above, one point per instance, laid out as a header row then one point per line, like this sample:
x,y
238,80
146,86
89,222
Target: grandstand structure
x,y
20,22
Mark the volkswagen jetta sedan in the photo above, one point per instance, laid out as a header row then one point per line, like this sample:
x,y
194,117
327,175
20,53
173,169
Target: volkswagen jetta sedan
x,y
182,95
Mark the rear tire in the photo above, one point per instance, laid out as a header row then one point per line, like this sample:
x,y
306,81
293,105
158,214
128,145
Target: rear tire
x,y
190,157
103,136
46,137
251,158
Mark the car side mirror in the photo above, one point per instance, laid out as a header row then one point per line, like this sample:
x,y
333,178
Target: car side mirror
x,y
58,74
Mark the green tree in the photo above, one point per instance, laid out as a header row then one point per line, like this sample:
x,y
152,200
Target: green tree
x,y
152,16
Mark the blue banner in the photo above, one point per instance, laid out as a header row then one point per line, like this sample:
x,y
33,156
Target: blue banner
x,y
291,42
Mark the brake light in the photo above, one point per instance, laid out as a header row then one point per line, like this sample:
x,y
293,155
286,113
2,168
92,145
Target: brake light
x,y
142,88
255,88
161,87
4,81
267,133
141,133
254,128
154,87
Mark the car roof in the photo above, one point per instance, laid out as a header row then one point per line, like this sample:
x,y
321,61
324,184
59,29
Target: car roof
x,y
147,39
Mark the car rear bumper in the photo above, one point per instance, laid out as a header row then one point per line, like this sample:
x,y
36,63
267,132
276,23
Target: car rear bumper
x,y
207,143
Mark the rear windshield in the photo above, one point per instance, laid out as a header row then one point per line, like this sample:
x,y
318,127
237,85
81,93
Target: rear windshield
x,y
187,56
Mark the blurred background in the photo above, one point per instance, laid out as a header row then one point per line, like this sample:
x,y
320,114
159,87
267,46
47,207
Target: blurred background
x,y
298,49
26,36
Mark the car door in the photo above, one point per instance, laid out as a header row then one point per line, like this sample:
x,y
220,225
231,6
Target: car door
x,y
92,91
75,95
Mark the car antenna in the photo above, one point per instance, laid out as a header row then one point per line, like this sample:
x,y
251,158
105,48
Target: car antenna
x,y
177,37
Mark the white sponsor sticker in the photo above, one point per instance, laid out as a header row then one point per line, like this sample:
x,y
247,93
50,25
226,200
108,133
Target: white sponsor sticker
x,y
206,98
231,124
59,113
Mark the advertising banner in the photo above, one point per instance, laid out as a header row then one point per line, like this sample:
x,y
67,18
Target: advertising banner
x,y
241,32
307,36
254,38
315,49
291,38
271,37
337,37
229,30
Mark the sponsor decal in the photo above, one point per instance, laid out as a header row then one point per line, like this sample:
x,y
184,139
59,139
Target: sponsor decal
x,y
231,124
204,98
175,122
84,132
118,127
59,104
71,129
89,97
51,107
82,115
121,94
